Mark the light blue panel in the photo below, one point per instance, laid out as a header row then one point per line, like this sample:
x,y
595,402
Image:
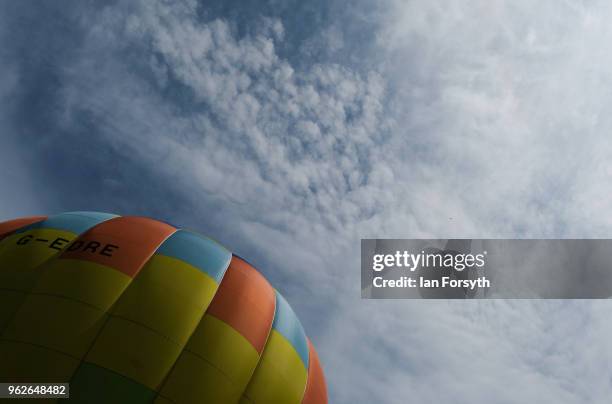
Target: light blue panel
x,y
287,323
201,252
75,222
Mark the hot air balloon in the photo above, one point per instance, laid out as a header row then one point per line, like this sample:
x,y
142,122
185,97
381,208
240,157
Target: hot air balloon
x,y
130,309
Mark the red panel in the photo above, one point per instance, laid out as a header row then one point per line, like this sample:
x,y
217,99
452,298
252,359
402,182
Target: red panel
x,y
316,390
123,243
246,302
11,226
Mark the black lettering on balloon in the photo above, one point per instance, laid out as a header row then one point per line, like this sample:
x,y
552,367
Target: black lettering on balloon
x,y
92,246
76,245
109,249
59,243
24,240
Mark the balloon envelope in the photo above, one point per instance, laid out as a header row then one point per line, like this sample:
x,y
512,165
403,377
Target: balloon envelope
x,y
130,309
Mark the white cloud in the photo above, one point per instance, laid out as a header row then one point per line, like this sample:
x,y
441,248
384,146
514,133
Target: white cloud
x,y
511,100
305,139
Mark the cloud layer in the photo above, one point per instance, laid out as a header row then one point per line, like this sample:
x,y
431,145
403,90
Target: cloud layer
x,y
290,131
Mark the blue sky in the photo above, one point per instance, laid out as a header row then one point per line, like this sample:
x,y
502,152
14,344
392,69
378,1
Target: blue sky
x,y
290,130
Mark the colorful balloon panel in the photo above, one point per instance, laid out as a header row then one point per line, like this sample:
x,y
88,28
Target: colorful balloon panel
x,y
130,309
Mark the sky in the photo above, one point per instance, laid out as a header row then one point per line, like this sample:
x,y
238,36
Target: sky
x,y
289,130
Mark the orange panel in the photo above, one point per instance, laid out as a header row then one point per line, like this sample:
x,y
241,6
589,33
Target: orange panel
x,y
7,228
123,243
245,301
316,390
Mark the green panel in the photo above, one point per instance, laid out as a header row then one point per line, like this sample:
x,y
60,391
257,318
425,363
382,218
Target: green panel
x,y
93,384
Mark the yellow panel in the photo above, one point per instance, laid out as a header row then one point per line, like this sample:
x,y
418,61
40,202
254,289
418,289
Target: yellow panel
x,y
225,348
162,400
245,400
10,301
280,376
20,362
194,380
85,281
215,367
134,351
169,296
57,323
21,256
